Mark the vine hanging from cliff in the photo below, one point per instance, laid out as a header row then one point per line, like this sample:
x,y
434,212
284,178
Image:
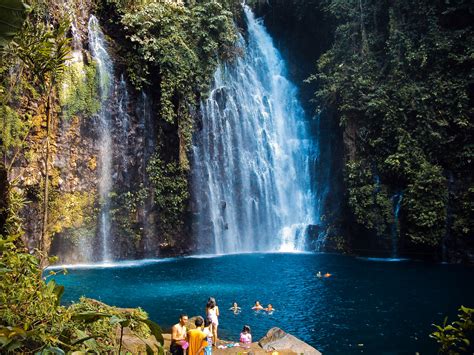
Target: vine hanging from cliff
x,y
176,49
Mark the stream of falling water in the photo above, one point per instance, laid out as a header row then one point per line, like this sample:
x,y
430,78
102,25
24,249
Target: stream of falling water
x,y
105,69
253,157
395,232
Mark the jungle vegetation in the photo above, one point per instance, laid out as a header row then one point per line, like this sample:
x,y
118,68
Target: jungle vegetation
x,y
399,77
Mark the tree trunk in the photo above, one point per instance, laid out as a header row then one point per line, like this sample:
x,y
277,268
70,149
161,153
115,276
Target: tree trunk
x,y
45,242
4,185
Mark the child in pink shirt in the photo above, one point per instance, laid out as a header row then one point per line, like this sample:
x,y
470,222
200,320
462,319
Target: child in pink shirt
x,y
245,336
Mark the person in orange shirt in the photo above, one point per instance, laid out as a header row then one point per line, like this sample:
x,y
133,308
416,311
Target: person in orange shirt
x,y
197,338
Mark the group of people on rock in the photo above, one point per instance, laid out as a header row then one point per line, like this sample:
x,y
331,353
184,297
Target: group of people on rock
x,y
199,341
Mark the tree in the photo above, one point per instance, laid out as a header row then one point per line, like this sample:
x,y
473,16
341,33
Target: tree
x,y
44,48
456,338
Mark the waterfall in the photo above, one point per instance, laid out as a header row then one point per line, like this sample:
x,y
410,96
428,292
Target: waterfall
x,y
148,143
123,122
98,49
395,232
70,8
254,156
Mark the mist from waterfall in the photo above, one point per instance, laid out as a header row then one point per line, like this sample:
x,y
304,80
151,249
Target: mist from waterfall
x,y
254,157
99,52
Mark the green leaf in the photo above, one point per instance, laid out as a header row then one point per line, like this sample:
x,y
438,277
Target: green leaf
x,y
90,317
58,291
88,340
155,330
124,322
52,350
12,15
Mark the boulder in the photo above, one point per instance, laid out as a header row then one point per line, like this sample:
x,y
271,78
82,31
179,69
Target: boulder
x,y
190,324
133,344
277,339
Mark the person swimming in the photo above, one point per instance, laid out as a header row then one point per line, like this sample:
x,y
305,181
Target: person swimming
x,y
327,274
235,308
257,306
269,309
319,274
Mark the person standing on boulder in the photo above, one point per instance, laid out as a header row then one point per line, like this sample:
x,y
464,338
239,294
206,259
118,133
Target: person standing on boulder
x,y
178,336
212,313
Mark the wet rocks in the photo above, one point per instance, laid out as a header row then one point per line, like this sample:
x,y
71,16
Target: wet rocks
x,y
277,339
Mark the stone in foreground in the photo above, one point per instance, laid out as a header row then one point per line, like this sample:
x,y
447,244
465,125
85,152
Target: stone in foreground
x,y
277,339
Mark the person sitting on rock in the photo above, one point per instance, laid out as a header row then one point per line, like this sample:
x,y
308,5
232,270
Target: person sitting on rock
x,y
245,336
197,339
235,308
178,336
257,306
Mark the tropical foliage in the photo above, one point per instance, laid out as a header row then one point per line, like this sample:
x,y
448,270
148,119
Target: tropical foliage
x,y
457,337
398,75
181,46
170,189
31,317
12,15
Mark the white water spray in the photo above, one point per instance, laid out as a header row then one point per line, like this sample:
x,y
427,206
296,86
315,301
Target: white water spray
x,y
98,48
252,160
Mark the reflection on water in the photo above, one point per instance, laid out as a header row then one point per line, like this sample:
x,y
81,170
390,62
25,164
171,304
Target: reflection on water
x,y
387,306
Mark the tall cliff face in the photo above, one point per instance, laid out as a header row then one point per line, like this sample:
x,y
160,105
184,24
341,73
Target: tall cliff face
x,y
397,170
118,113
394,79
75,163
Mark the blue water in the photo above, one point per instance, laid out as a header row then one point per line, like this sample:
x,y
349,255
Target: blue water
x,y
368,305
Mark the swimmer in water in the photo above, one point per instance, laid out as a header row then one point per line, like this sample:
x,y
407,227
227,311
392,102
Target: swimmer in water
x,y
235,308
319,274
327,274
257,306
269,308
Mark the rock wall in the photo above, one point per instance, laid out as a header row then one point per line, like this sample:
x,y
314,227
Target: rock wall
x,y
74,163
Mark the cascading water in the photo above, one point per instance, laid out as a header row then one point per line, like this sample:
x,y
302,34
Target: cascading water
x,y
123,119
148,144
253,158
70,9
98,49
397,202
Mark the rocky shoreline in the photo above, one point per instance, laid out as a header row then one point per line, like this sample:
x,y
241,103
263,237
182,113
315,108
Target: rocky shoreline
x,y
276,341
